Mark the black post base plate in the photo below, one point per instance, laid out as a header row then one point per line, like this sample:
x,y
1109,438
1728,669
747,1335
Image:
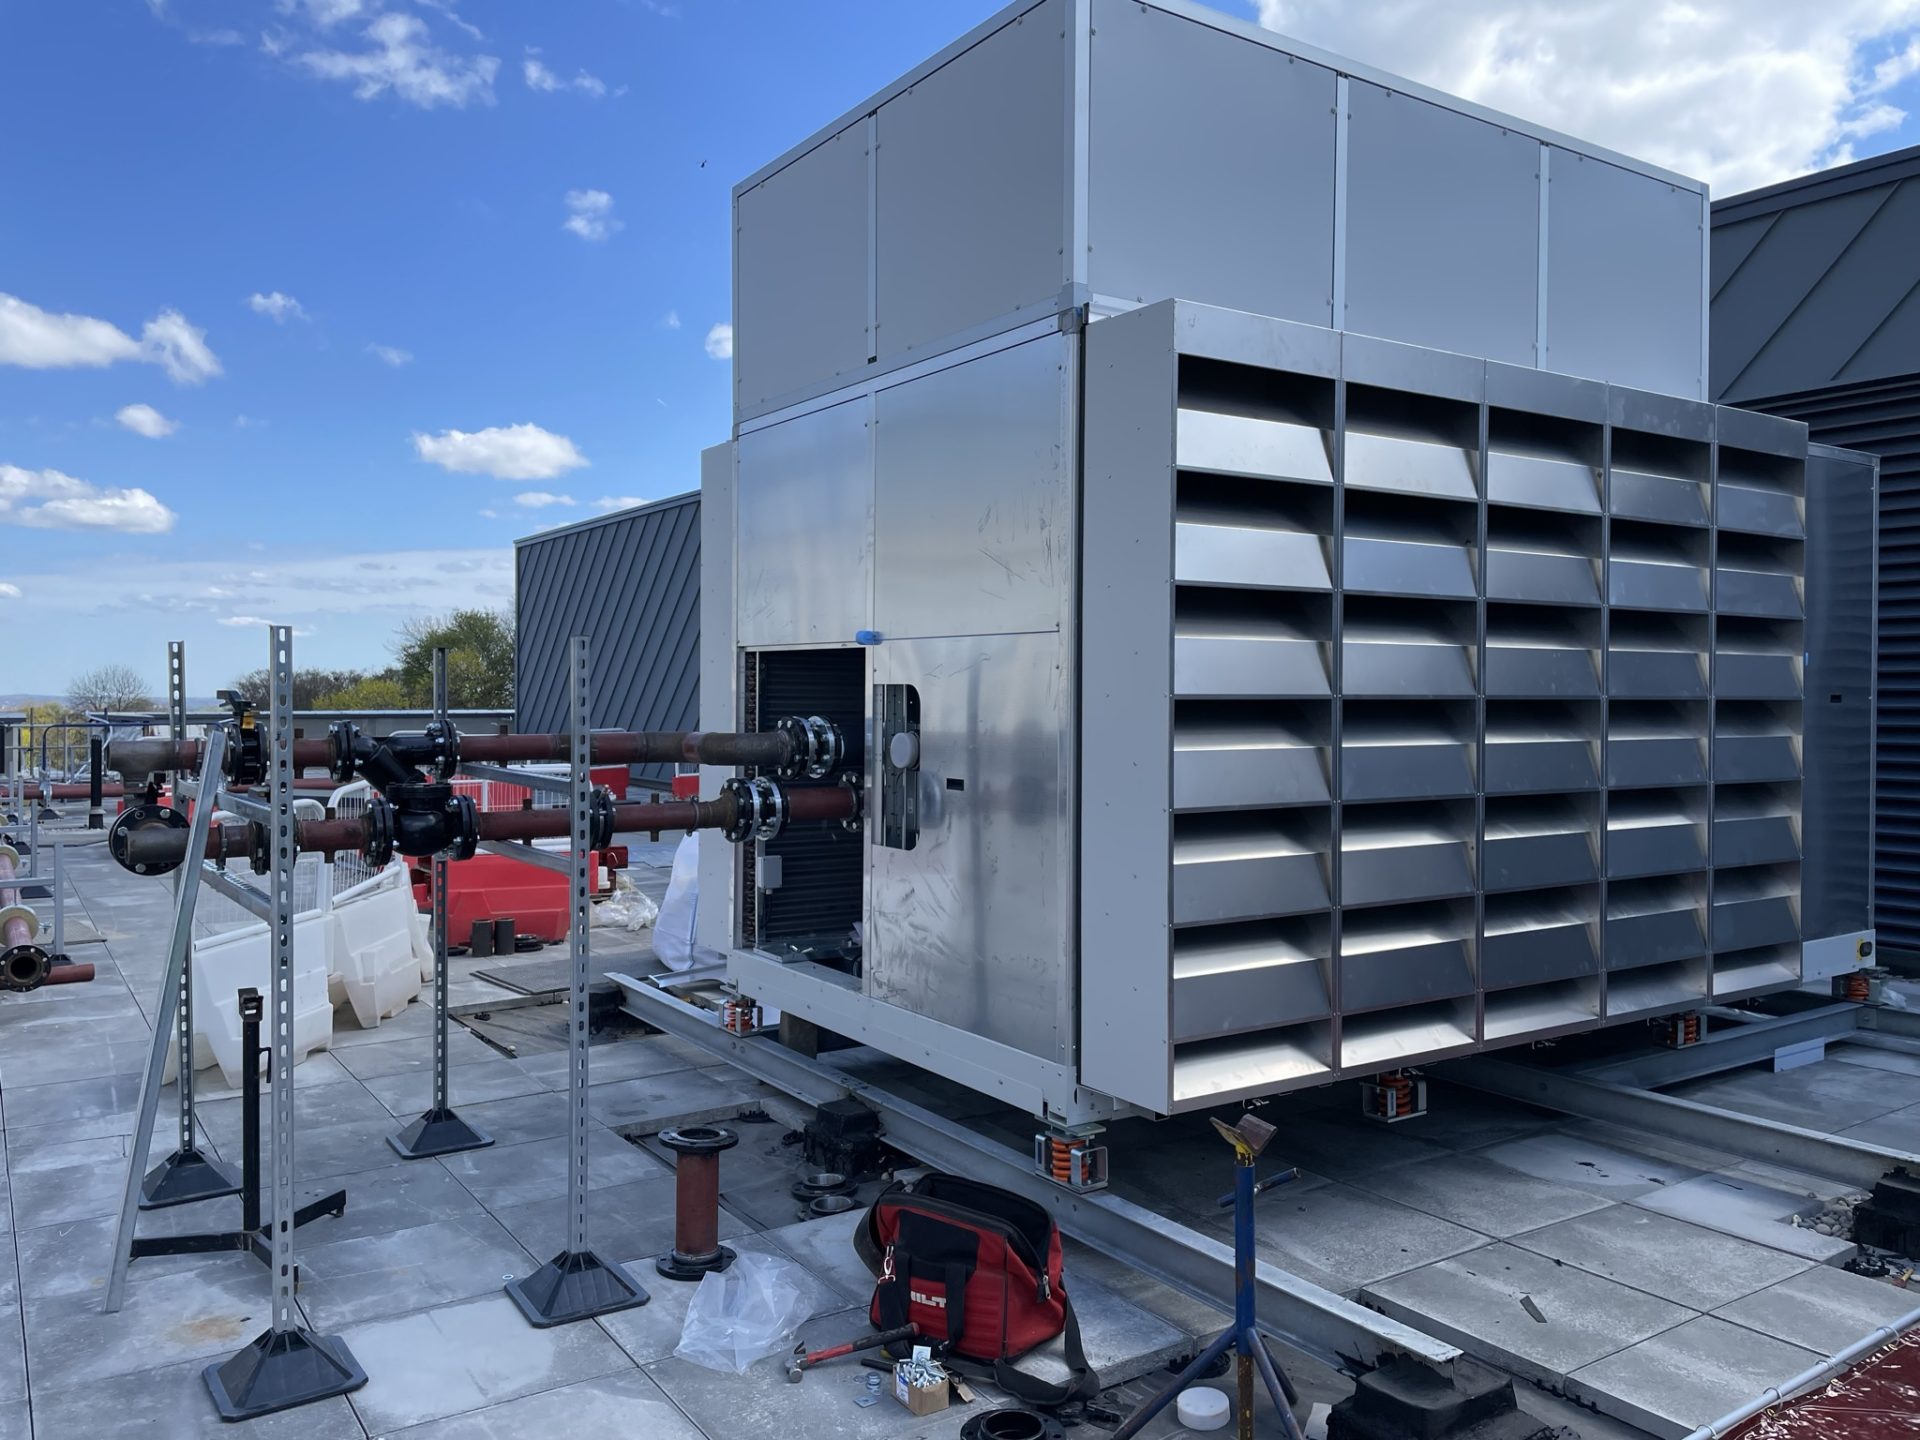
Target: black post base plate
x,y
438,1132
184,1177
676,1266
279,1370
574,1285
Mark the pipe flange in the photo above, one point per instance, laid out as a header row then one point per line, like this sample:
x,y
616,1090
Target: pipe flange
x,y
24,967
10,913
853,823
465,838
145,817
600,818
816,1183
1012,1423
377,850
445,741
341,735
759,809
698,1139
259,847
814,747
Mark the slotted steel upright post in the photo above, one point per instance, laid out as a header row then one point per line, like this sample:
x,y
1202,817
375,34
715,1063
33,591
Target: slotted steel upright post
x,y
439,1131
577,1284
287,1364
186,1175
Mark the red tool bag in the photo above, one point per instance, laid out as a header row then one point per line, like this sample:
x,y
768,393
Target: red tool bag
x,y
978,1270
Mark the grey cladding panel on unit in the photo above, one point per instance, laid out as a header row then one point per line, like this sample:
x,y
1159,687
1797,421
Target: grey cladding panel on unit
x,y
805,505
1211,168
971,186
1837,873
969,927
802,239
1623,276
1442,228
973,495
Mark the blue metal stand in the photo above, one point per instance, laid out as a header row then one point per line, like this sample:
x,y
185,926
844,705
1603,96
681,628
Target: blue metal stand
x,y
1242,1338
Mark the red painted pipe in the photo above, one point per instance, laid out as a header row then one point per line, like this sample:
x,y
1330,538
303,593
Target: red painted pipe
x,y
76,972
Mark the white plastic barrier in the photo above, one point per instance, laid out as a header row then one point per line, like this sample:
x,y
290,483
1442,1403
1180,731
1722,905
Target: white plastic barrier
x,y
224,964
374,964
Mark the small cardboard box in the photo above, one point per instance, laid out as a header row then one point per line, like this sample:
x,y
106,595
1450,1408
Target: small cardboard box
x,y
921,1399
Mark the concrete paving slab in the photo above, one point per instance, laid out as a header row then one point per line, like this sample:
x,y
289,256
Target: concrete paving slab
x,y
1584,1164
13,1355
75,1258
622,1220
1122,1341
1899,1130
314,1109
1477,1302
395,1197
409,1094
1178,1309
413,1023
1490,1199
651,1332
372,1061
762,1403
1662,1256
172,1403
1735,1204
1827,1096
1870,1058
502,1176
1342,1147
74,1056
1687,1376
621,1406
71,1181
320,1067
1823,1308
208,1311
16,1422
649,1103
826,1248
534,1115
435,1363
334,1150
343,1282
1463,1119
624,1058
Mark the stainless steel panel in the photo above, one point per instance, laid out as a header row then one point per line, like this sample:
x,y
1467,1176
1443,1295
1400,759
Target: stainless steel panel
x,y
1642,585
1757,677
1654,938
1756,757
1656,760
1832,955
1760,512
1246,555
971,177
1223,444
1247,865
1655,848
1409,466
1534,954
1216,665
984,451
1244,983
1656,674
1211,168
1407,973
1753,592
805,525
1839,800
972,926
1742,923
1542,578
1752,972
1624,277
1442,228
1374,667
1537,480
1539,1010
1405,772
1521,766
1531,861
1382,869
1514,670
802,243
1246,777
1670,499
1756,840
1405,568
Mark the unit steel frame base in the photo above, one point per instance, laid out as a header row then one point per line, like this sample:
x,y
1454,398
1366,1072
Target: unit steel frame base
x,y
575,1285
184,1177
281,1369
438,1132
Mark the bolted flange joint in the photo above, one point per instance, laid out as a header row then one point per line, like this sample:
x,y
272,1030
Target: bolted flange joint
x,y
759,809
147,816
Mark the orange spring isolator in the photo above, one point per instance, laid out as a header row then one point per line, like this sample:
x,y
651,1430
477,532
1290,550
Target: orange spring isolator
x,y
1690,1028
1060,1155
1396,1084
1856,987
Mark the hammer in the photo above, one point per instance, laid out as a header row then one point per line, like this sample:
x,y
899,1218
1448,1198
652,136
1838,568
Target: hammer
x,y
804,1359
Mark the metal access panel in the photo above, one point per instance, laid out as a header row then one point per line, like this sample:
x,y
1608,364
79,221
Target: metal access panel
x,y
1115,153
1550,677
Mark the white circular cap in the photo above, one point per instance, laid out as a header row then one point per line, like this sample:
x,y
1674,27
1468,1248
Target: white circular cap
x,y
903,750
1201,1407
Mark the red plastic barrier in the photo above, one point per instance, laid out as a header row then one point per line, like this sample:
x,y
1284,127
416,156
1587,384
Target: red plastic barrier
x,y
493,887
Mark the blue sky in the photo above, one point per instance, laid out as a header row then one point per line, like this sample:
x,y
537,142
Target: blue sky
x,y
219,209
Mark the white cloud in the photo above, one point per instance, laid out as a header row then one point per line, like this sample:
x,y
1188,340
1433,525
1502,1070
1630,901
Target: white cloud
x,y
590,214
324,14
50,500
452,17
619,502
392,354
670,320
145,420
179,348
402,59
248,422
540,499
506,452
238,620
276,307
720,342
489,514
1738,94
539,76
9,592
42,340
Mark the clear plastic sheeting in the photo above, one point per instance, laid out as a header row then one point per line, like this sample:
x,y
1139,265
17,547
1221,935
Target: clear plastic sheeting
x,y
744,1313
628,908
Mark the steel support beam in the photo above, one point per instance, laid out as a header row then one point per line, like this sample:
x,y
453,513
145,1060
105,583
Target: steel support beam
x,y
1753,1040
1727,1131
1892,1022
1314,1321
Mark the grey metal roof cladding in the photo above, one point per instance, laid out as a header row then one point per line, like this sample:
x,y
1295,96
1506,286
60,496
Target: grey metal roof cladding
x,y
1816,282
1816,316
630,581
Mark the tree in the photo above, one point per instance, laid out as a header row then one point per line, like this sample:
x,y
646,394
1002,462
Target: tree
x,y
479,647
308,686
109,687
371,692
